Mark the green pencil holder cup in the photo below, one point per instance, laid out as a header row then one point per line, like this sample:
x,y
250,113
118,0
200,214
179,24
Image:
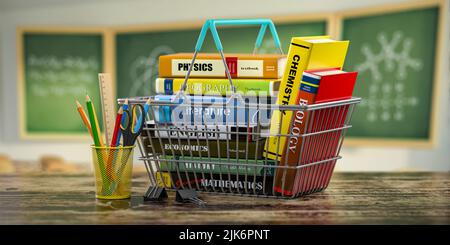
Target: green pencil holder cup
x,y
113,171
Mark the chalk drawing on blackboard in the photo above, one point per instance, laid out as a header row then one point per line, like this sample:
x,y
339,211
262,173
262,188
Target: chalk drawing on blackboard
x,y
50,75
144,71
389,69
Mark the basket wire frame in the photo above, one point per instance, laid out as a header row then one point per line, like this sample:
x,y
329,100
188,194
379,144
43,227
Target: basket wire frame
x,y
322,140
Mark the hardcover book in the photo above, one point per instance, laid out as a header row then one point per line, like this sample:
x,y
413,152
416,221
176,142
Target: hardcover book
x,y
210,110
211,132
317,86
304,53
260,185
218,86
211,65
217,165
205,148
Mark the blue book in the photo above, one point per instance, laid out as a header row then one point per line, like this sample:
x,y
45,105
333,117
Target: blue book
x,y
211,110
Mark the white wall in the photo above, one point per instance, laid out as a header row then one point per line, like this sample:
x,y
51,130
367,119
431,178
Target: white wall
x,y
14,13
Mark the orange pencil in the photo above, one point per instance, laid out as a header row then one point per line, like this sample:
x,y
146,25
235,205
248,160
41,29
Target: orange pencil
x,y
84,117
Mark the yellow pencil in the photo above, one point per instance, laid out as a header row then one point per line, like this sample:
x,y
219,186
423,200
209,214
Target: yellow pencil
x,y
84,117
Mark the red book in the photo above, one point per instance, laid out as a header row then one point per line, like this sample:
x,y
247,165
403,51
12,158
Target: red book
x,y
317,86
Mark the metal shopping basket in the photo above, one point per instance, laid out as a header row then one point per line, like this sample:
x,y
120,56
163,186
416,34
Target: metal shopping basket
x,y
183,149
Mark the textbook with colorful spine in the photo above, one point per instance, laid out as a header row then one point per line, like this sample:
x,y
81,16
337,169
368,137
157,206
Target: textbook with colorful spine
x,y
210,110
264,66
304,53
217,182
316,86
214,165
218,86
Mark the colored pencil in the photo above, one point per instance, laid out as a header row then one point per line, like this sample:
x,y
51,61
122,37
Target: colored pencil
x,y
113,152
84,117
94,122
98,142
117,127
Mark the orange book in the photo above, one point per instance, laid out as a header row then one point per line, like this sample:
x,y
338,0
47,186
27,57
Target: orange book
x,y
317,86
211,65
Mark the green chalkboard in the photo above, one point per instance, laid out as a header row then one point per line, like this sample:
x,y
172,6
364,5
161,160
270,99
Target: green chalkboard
x,y
138,52
394,54
57,68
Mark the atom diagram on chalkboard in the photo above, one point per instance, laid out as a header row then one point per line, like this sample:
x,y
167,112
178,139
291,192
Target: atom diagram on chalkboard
x,y
388,75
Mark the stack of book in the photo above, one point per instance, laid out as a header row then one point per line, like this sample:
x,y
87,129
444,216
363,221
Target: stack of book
x,y
217,149
210,147
312,75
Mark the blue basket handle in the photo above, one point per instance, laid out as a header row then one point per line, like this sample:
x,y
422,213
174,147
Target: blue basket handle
x,y
212,26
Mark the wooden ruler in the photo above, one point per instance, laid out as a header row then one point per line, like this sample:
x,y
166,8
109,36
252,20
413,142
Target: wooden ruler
x,y
108,105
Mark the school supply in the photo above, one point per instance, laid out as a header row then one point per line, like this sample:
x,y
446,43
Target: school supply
x,y
132,117
218,86
125,107
216,165
108,104
194,132
211,65
317,86
224,183
98,158
84,117
129,132
113,157
304,53
186,158
110,184
117,127
94,122
208,110
142,116
230,149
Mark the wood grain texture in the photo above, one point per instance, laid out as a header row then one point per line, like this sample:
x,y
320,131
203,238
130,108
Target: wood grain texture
x,y
352,198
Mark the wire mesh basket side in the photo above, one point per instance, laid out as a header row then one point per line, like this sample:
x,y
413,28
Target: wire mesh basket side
x,y
223,158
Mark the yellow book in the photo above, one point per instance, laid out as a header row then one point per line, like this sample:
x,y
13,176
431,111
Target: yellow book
x,y
304,53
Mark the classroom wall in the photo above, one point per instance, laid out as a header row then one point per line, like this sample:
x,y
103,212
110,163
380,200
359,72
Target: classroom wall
x,y
15,13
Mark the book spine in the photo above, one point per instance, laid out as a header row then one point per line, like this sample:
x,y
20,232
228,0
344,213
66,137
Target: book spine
x,y
201,113
297,61
233,149
258,67
199,165
211,86
260,185
285,178
213,132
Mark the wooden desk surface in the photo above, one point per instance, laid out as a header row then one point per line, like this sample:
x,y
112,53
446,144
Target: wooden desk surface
x,y
352,198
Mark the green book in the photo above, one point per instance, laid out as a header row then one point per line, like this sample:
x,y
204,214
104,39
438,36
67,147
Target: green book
x,y
217,165
251,150
218,86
